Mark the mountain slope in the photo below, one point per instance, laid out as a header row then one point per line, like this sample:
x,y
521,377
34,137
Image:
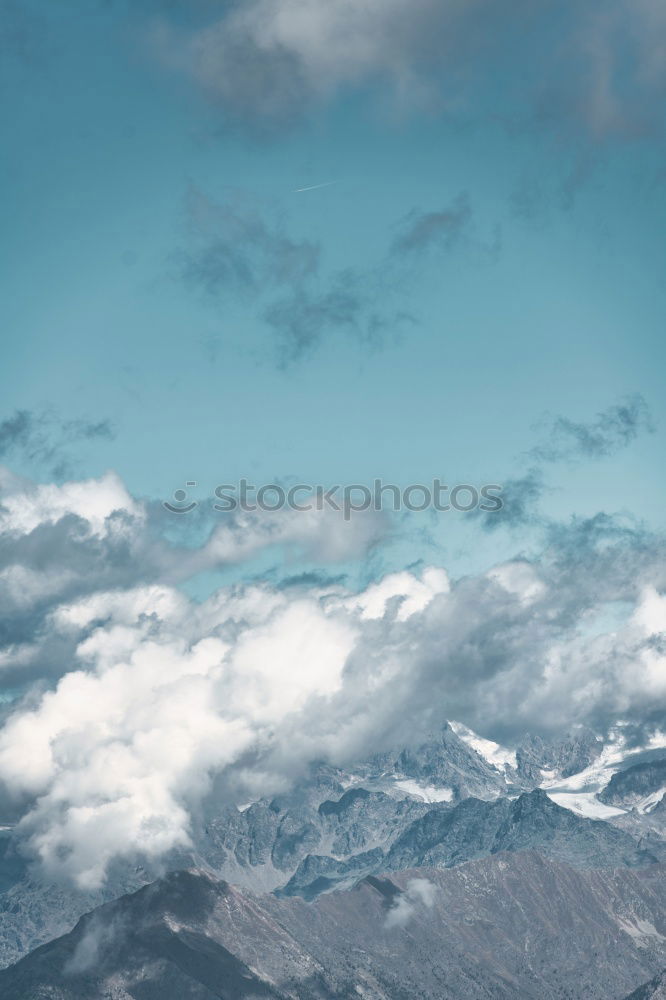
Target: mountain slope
x,y
338,823
512,926
654,990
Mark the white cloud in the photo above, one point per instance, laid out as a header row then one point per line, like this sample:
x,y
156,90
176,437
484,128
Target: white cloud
x,y
93,500
419,894
298,653
99,935
409,593
520,578
117,752
650,619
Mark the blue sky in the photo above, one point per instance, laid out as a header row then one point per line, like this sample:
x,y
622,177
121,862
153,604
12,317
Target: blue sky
x,y
548,298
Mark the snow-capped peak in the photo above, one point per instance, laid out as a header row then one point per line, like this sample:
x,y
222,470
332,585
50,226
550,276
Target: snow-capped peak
x,y
495,754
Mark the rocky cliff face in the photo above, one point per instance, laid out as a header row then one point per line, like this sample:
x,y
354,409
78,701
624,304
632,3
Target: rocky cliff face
x,y
568,755
445,837
642,785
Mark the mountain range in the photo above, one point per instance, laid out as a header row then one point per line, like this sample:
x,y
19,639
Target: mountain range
x,y
514,925
556,834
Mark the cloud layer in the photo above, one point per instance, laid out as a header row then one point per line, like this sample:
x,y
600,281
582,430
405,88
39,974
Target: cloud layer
x,y
137,698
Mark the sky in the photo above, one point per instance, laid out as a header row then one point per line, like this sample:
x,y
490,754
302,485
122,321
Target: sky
x,y
323,242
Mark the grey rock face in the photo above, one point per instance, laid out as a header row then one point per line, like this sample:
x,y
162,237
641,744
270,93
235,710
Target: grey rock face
x,y
629,787
446,837
567,756
513,926
444,760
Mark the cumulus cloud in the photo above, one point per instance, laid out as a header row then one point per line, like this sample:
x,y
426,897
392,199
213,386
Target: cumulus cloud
x,y
156,700
409,593
596,68
144,699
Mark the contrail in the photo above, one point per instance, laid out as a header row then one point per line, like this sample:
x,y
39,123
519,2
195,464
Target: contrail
x,y
314,187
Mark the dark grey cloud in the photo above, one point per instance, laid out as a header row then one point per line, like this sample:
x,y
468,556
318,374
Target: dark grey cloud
x,y
66,557
312,579
600,551
612,429
535,196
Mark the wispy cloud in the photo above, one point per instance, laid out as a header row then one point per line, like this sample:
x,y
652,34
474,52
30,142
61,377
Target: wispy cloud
x,y
237,252
520,503
566,440
46,440
421,231
612,429
233,248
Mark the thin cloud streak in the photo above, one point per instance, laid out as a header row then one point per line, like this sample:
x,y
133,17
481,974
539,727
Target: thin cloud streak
x,y
314,187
